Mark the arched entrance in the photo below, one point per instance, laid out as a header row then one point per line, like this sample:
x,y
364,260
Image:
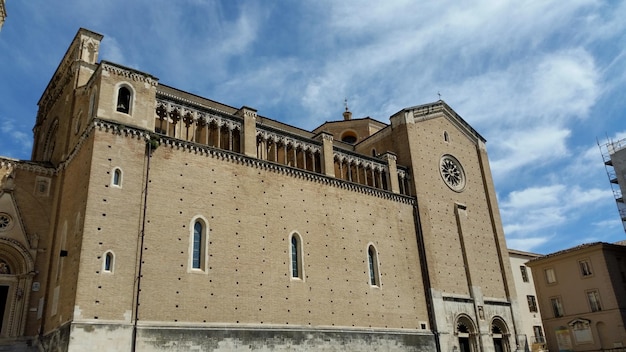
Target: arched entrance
x,y
500,335
466,333
16,276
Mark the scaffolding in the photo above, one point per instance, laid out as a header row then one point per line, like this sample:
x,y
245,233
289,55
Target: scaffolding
x,y
608,150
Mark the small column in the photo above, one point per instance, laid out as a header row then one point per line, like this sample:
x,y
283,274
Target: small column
x,y
249,131
230,139
327,155
261,148
219,136
392,172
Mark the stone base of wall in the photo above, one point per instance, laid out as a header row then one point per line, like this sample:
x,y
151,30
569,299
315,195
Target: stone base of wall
x,y
57,340
19,344
118,337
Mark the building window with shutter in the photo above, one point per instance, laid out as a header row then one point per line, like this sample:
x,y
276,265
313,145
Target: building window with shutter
x,y
532,303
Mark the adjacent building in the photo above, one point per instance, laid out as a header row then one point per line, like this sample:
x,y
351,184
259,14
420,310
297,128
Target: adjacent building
x,y
582,297
152,219
530,313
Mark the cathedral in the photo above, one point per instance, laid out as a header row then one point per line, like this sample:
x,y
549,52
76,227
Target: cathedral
x,y
152,219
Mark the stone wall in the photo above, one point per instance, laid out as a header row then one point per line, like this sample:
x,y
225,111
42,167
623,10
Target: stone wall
x,y
228,338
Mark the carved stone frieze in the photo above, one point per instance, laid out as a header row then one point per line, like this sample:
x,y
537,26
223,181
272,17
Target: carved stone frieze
x,y
27,165
176,112
252,162
130,74
328,137
277,138
354,160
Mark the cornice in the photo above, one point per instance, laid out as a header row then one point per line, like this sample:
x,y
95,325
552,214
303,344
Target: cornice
x,y
188,102
282,169
191,147
27,166
200,149
438,108
129,73
574,251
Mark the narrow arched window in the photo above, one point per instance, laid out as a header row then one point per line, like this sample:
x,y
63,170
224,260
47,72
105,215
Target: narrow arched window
x,y
373,266
446,137
92,104
108,262
123,100
117,177
197,250
296,257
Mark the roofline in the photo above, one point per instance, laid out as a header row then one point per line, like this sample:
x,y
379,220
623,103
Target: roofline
x,y
195,95
359,119
528,254
578,248
105,62
261,119
447,108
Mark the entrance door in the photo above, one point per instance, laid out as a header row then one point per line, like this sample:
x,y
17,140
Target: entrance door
x,y
498,345
4,293
465,344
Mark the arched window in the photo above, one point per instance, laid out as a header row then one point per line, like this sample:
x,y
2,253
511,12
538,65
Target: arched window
x,y
198,241
197,245
108,262
123,100
51,139
92,104
117,178
446,137
349,137
296,257
372,259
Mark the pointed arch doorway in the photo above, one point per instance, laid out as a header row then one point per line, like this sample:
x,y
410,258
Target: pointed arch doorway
x,y
500,335
466,334
16,277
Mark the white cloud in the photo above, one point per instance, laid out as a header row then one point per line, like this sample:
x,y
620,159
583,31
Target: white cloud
x,y
542,208
110,50
532,147
566,84
608,226
528,244
14,140
237,36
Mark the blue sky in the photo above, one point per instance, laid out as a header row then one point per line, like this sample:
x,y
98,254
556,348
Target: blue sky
x,y
540,80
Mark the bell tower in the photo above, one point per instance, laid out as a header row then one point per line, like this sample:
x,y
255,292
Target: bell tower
x,y
58,110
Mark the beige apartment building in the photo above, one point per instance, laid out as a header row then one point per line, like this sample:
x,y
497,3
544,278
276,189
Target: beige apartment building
x,y
530,314
582,297
152,219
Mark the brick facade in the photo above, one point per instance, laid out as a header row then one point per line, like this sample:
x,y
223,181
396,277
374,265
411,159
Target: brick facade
x,y
391,254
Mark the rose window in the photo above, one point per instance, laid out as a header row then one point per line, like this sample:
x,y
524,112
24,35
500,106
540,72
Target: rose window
x,y
452,173
5,221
